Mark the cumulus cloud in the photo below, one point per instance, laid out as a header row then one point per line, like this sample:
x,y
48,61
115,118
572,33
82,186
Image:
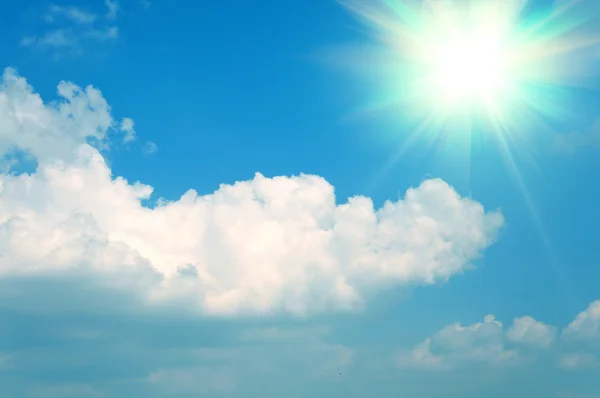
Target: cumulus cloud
x,y
586,325
526,339
263,245
481,343
530,332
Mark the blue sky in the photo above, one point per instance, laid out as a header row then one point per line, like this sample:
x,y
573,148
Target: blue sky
x,y
142,255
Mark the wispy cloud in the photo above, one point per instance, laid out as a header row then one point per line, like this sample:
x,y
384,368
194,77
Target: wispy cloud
x,y
577,360
574,141
73,14
53,38
72,29
111,32
149,148
113,9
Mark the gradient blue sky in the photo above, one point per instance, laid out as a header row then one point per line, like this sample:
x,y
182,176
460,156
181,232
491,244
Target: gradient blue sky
x,y
218,91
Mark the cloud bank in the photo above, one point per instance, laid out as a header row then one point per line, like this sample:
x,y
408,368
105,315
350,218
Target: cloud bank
x,y
264,245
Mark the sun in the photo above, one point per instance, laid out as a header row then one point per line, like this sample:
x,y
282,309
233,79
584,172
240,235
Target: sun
x,y
466,58
459,77
446,59
468,68
464,67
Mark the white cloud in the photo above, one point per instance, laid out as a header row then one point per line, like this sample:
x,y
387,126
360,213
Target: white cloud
x,y
149,148
53,38
74,14
73,29
108,33
481,343
586,325
51,132
127,128
576,360
260,246
528,331
486,343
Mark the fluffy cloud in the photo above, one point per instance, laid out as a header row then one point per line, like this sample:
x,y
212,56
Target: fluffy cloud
x,y
262,245
527,339
54,132
530,332
454,345
586,326
127,128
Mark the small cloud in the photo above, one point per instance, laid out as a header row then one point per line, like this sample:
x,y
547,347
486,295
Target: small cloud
x,y
481,343
113,9
73,29
571,142
28,41
74,14
145,3
421,357
55,38
127,128
149,148
104,34
577,360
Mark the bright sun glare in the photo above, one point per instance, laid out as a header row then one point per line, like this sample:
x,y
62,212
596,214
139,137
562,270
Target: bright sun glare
x,y
466,56
495,68
455,57
469,67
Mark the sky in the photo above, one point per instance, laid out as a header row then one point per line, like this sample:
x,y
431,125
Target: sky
x,y
235,199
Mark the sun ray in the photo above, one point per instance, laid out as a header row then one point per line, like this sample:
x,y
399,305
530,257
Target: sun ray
x,y
508,63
